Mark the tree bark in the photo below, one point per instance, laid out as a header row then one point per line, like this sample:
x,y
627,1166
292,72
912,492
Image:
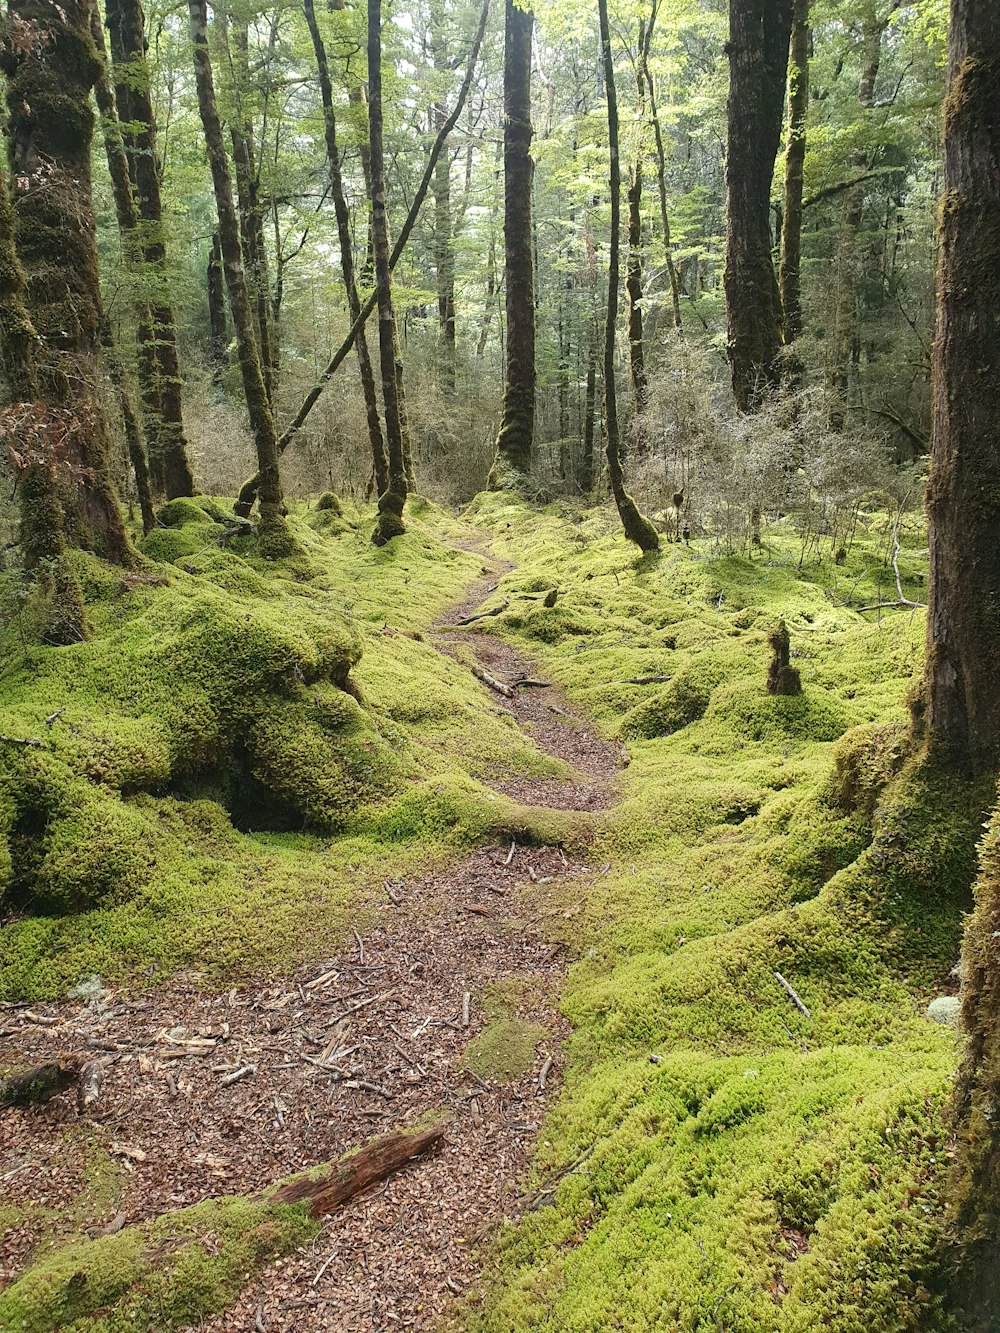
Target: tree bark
x,y
51,65
275,539
848,257
585,472
789,272
126,26
517,426
251,212
379,461
633,267
963,500
393,498
759,35
215,279
638,529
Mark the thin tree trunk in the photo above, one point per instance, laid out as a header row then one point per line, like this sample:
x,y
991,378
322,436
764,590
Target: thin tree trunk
x,y
444,227
491,267
585,473
638,529
633,267
216,283
275,539
128,227
393,498
661,184
759,35
848,257
251,213
514,442
379,462
249,489
789,273
51,129
126,26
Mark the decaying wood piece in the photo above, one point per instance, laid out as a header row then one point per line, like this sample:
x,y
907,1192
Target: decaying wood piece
x,y
358,1170
500,686
484,615
39,1083
800,1006
88,1090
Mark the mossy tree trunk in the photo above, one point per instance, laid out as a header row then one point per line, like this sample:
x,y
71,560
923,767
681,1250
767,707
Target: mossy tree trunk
x,y
517,426
215,280
759,35
638,529
633,266
379,462
274,535
43,545
963,622
126,27
661,187
51,64
393,498
444,226
789,270
963,500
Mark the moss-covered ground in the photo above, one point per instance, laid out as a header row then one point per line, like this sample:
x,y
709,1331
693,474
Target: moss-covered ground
x,y
725,1161
242,752
238,751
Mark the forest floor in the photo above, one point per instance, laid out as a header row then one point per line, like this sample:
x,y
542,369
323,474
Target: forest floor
x,y
661,943
449,1003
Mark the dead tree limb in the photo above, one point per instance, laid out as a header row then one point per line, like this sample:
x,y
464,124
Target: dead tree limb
x,y
484,615
333,1185
500,686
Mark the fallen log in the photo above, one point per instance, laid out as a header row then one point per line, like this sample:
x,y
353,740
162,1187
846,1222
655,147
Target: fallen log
x,y
500,686
39,1083
648,680
326,1189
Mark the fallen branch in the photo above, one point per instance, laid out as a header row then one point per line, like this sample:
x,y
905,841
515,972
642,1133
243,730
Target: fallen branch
x,y
528,683
334,1184
500,686
792,995
648,680
483,615
88,1090
28,741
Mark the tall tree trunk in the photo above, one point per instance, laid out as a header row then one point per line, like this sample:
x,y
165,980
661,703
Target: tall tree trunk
x,y
638,529
128,228
848,249
517,426
51,68
491,266
444,258
661,184
251,212
393,498
275,539
963,498
759,34
963,623
633,267
379,462
126,26
789,272
215,279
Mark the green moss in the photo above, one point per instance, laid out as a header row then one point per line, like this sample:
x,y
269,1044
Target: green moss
x,y
505,1048
724,1160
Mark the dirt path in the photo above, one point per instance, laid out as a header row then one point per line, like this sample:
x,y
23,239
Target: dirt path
x,y
389,1013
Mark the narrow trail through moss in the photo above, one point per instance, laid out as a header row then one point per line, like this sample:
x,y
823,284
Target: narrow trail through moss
x,y
341,1049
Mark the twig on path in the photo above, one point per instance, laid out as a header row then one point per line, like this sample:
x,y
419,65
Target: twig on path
x,y
792,995
510,854
543,1073
466,1006
500,686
